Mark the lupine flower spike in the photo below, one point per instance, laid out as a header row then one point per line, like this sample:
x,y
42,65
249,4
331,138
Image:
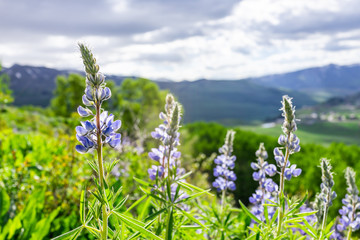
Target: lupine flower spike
x,y
225,164
327,195
101,129
167,155
291,143
267,187
350,218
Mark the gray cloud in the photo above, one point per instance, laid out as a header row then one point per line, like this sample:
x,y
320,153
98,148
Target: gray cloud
x,y
169,57
91,17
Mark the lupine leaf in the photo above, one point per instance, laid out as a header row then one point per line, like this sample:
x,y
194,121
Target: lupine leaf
x,y
193,196
146,184
191,227
82,207
136,203
121,203
246,210
138,233
304,228
93,166
184,176
190,186
152,195
298,205
170,225
72,233
113,165
304,214
156,214
132,223
329,226
145,208
191,217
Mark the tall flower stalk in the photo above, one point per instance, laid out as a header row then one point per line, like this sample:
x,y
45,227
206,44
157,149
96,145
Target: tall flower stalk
x,y
350,218
102,129
291,143
327,195
168,174
225,176
268,189
225,164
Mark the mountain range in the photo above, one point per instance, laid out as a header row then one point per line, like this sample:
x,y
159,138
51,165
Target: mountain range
x,y
226,101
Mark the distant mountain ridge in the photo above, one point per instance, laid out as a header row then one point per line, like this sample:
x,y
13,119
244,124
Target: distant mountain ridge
x,y
211,100
331,80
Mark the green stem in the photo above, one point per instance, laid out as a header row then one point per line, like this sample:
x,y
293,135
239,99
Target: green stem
x,y
349,234
104,229
324,222
282,185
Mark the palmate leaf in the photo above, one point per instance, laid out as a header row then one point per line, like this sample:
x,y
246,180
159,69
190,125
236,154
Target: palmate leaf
x,y
134,224
73,234
247,211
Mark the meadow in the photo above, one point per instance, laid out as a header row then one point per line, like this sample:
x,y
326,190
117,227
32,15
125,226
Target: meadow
x,y
142,174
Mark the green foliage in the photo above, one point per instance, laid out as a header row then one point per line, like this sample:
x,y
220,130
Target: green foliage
x,y
141,101
206,137
67,95
31,222
5,92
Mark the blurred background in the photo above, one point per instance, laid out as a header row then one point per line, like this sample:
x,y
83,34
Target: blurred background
x,y
227,62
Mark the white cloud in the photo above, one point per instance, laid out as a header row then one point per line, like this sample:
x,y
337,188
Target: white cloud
x,y
172,40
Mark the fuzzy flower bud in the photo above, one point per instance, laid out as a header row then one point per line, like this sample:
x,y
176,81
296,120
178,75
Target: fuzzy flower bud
x,y
288,109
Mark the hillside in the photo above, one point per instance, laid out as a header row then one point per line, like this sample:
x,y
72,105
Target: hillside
x,y
321,82
229,102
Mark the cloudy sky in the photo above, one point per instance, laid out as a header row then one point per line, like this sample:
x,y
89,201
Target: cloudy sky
x,y
182,39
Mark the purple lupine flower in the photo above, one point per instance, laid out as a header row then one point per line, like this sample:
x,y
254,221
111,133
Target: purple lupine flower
x,y
292,172
95,94
267,187
288,140
350,218
167,155
225,162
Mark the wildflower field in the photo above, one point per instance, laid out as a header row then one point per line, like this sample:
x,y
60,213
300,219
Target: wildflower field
x,y
126,167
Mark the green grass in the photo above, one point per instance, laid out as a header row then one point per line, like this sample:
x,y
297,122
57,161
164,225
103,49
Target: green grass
x,y
321,133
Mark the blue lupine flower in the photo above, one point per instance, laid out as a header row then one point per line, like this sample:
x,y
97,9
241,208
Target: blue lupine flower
x,y
225,162
292,172
155,171
267,187
167,154
95,93
287,140
350,218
